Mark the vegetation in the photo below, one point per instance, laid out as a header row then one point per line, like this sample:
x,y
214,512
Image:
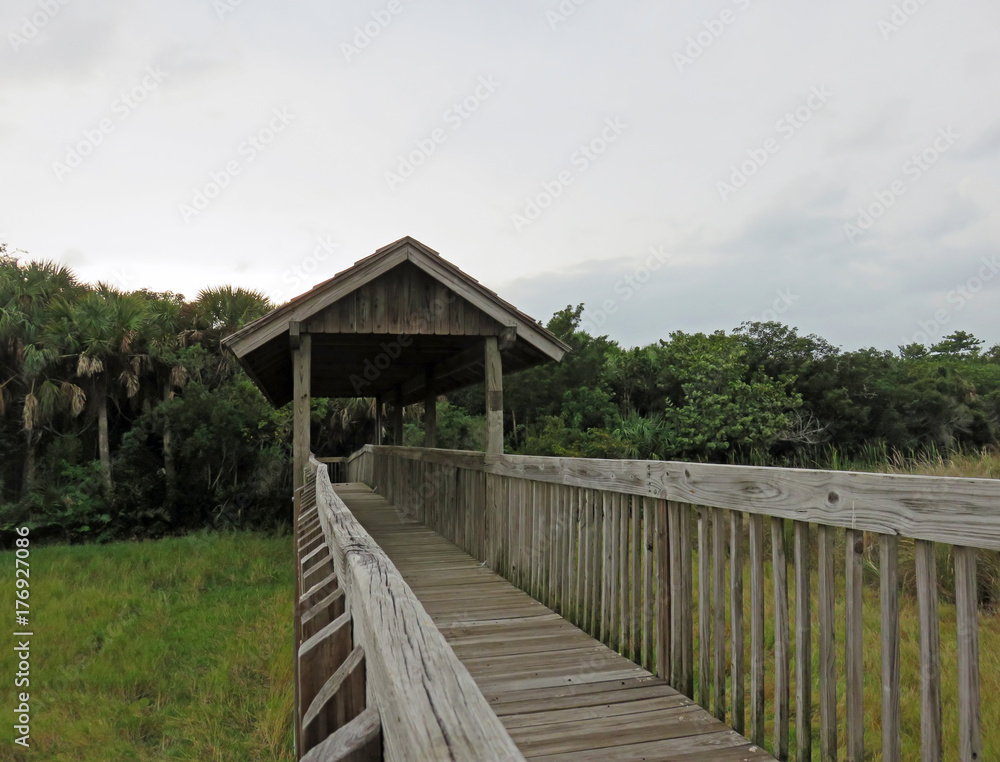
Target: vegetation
x,y
138,656
111,402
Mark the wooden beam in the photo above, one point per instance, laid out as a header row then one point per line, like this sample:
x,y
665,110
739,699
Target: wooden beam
x,y
302,371
414,389
494,397
508,337
430,410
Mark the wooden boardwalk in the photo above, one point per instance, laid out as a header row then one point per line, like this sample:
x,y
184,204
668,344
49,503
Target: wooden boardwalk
x,y
561,694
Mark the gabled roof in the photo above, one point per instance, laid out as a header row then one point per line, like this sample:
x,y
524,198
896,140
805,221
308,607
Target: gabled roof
x,y
263,346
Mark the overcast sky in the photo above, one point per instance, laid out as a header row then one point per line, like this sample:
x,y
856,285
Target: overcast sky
x,y
675,166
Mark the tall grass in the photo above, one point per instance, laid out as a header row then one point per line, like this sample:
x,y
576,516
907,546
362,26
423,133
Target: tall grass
x,y
176,649
989,633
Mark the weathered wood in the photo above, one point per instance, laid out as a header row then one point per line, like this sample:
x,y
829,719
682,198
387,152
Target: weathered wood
x,y
854,647
340,700
803,645
827,645
607,537
413,674
636,588
736,618
360,740
557,695
887,503
649,587
719,611
687,607
970,745
302,384
623,566
319,657
704,611
930,652
782,670
757,629
494,397
321,614
297,508
889,604
615,569
663,590
676,579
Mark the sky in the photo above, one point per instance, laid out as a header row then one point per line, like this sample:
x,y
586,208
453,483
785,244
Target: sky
x,y
675,166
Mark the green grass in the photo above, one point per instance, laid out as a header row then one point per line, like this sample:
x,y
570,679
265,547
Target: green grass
x,y
175,649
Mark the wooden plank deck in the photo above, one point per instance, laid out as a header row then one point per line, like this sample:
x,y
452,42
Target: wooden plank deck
x,y
561,694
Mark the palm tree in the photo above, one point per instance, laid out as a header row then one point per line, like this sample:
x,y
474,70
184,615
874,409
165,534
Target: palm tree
x,y
28,370
219,312
107,332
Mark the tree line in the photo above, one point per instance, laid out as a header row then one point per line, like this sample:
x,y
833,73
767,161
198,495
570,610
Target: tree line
x,y
121,416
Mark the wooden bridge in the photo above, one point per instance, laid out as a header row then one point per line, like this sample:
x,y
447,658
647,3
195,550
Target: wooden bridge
x,y
483,606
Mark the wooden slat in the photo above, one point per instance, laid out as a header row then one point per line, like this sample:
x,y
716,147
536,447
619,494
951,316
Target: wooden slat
x,y
930,652
757,629
854,647
340,700
636,588
623,566
687,607
663,593
827,645
782,671
719,610
704,610
889,600
736,556
583,554
803,645
607,544
676,595
319,657
649,602
970,745
616,571
360,740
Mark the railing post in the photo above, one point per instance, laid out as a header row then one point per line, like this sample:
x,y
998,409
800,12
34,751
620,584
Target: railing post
x,y
494,397
302,362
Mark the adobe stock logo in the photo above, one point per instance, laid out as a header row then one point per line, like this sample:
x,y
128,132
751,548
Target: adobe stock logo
x,y
914,168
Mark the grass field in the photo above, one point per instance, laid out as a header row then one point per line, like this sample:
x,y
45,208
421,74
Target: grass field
x,y
176,649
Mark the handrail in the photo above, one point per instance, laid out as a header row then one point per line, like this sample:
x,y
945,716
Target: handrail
x,y
900,504
429,705
612,546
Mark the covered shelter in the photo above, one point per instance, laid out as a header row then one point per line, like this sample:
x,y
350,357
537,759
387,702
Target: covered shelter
x,y
402,325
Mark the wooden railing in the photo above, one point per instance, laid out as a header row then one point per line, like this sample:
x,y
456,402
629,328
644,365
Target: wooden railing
x,y
336,468
375,679
611,545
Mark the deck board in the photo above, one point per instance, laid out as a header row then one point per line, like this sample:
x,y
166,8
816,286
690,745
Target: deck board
x,y
561,694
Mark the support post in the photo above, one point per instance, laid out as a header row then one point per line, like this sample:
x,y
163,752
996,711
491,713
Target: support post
x,y
430,410
494,398
378,419
302,390
397,418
